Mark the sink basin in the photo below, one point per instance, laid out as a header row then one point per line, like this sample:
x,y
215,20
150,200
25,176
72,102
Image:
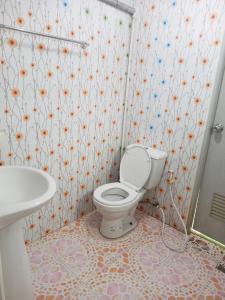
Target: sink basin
x,y
23,190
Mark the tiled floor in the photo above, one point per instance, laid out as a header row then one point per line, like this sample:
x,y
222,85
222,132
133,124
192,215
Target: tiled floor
x,y
78,263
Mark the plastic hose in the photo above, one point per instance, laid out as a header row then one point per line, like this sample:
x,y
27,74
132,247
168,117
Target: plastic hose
x,y
163,226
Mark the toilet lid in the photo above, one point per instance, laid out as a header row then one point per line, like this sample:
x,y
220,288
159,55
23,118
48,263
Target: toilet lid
x,y
135,166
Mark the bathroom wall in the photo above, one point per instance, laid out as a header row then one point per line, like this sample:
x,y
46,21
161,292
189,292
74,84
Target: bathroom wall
x,y
175,54
61,106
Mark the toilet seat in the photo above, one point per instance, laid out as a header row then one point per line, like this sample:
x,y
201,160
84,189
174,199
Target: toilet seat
x,y
135,166
115,194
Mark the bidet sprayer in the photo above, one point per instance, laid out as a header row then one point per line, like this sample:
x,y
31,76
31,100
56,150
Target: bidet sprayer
x,y
171,178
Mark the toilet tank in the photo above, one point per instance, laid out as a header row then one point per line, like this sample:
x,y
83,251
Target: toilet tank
x,y
158,159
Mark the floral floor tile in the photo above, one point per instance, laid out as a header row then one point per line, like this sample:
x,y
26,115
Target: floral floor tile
x,y
78,263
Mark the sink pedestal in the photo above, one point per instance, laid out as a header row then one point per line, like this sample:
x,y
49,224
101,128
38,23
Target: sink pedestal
x,y
15,274
24,190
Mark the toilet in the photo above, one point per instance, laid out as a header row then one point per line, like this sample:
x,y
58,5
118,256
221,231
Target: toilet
x,y
141,169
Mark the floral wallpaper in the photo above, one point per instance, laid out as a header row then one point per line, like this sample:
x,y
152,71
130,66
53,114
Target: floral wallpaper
x,y
174,63
61,106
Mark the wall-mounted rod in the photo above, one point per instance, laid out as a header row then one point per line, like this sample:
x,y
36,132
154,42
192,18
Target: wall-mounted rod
x,y
82,44
127,88
120,5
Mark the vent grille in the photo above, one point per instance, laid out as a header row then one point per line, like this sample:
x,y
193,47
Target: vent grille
x,y
218,207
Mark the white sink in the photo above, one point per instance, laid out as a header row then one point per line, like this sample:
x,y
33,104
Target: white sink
x,y
23,190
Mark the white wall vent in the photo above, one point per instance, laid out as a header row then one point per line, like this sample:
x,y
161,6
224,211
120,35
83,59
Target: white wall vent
x,y
218,207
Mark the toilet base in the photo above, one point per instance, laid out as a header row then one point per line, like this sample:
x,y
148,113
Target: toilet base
x,y
116,228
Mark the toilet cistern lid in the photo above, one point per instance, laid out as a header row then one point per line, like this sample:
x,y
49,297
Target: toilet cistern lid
x,y
135,166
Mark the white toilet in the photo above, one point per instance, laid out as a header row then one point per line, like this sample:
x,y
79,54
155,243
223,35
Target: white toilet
x,y
140,170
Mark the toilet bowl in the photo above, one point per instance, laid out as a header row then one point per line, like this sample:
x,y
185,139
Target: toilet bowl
x,y
140,170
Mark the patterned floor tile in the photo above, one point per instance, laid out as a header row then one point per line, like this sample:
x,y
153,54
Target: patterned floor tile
x,y
77,262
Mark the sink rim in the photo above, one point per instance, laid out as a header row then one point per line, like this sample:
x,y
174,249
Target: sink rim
x,y
29,205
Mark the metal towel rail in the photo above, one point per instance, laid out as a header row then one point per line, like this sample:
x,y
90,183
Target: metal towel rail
x,y
83,45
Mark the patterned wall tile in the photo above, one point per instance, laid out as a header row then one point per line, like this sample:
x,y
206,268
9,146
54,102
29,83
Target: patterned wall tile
x,y
175,56
61,106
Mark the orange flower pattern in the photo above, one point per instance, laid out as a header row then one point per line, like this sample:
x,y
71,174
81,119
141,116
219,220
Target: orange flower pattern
x,y
63,106
180,66
58,101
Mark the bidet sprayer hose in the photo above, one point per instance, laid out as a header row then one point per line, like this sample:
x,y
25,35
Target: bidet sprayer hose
x,y
171,181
